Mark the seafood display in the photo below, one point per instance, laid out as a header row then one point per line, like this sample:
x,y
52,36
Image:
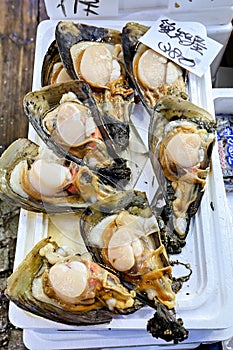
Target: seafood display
x,y
36,179
181,139
122,234
90,161
152,74
93,294
66,118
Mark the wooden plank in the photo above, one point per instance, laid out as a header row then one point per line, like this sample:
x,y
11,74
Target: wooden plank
x,y
42,11
19,20
18,26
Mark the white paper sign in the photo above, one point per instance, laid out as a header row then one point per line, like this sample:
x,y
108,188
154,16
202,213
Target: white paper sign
x,y
67,9
185,43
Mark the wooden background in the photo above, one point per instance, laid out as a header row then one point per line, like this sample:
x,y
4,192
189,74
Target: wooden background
x,y
18,25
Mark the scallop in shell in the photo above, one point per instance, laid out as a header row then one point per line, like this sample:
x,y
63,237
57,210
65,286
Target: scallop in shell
x,y
181,139
152,74
91,53
92,296
122,234
66,118
34,178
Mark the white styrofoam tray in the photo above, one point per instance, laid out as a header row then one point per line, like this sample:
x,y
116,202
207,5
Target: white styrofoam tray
x,y
223,103
129,340
204,302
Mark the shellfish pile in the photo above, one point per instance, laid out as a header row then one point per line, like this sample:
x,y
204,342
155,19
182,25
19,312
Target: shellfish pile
x,y
92,79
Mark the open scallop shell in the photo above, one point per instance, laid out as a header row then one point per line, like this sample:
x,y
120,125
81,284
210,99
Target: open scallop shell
x,y
152,74
30,287
75,187
122,234
181,139
72,38
97,152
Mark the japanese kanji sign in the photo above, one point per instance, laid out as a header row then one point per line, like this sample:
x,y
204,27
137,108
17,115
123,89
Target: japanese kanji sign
x,y
185,43
81,8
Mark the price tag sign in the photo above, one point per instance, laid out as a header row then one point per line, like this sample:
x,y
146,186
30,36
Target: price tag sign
x,y
185,43
88,9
